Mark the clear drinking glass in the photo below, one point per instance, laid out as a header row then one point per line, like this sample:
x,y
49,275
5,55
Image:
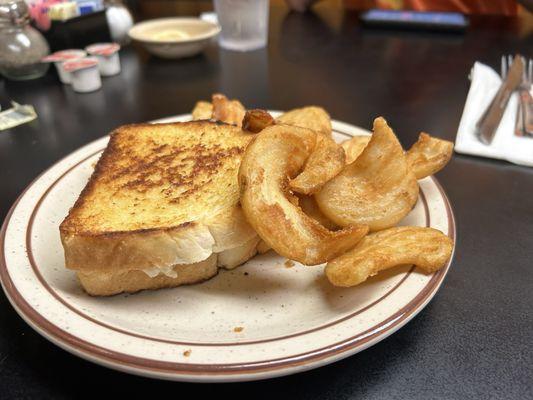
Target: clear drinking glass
x,y
244,24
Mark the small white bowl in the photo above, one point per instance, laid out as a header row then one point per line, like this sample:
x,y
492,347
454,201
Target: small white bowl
x,y
174,37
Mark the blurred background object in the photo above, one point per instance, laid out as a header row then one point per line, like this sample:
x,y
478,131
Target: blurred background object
x,y
244,23
21,46
119,19
500,7
79,32
76,24
63,11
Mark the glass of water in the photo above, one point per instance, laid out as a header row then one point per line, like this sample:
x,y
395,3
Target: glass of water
x,y
244,24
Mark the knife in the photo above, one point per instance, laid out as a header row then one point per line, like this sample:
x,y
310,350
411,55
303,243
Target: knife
x,y
489,121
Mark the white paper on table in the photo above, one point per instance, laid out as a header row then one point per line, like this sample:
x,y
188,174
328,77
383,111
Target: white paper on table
x,y
485,82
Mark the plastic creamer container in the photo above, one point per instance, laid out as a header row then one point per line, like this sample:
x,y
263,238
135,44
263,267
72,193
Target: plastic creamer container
x,y
84,73
108,58
60,57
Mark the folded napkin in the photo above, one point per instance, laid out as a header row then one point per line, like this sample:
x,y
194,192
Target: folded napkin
x,y
485,82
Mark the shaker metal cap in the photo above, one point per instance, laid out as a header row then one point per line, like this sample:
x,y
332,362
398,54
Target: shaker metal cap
x,y
14,11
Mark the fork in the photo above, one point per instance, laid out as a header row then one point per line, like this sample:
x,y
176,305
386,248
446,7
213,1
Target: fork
x,y
524,121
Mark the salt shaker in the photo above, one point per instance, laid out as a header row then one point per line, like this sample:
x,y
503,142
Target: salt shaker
x,y
21,46
119,20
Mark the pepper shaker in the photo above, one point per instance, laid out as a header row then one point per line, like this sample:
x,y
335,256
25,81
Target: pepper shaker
x,y
21,46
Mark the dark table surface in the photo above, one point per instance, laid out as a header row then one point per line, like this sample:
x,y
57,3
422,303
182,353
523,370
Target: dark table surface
x,y
474,340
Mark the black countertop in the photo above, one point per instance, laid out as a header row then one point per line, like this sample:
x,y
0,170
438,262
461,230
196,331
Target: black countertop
x,y
474,340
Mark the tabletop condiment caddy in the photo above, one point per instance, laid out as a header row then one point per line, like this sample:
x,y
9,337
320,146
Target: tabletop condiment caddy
x,y
68,21
30,29
83,68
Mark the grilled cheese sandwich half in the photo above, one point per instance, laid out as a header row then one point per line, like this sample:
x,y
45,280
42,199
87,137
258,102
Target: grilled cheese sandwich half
x,y
161,209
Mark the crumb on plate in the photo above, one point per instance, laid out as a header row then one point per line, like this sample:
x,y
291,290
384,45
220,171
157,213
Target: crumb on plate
x,y
289,264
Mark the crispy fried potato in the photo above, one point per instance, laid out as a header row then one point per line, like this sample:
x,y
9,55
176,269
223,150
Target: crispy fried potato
x,y
429,155
228,111
324,163
354,147
309,206
426,157
262,247
277,154
202,110
378,189
427,248
256,120
312,117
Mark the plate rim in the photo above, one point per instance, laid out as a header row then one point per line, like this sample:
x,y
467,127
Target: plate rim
x,y
223,372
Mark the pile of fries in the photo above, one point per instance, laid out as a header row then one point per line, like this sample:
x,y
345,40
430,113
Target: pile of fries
x,y
315,201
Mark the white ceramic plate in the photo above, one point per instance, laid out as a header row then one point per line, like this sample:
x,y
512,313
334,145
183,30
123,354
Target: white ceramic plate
x,y
292,319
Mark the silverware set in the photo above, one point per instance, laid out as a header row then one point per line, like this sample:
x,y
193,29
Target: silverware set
x,y
524,116
517,75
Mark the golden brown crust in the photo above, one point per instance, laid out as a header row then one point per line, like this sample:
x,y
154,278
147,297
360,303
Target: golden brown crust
x,y
263,247
324,163
155,168
155,195
275,156
427,248
378,189
202,110
354,147
429,155
310,207
229,111
256,120
310,117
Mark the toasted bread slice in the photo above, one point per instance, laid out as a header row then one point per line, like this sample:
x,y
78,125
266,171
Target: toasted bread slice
x,y
107,283
110,282
161,196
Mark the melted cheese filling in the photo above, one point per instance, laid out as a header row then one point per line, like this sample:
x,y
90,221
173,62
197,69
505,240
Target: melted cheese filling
x,y
155,271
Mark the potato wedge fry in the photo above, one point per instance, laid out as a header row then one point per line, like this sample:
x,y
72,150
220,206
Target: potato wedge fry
x,y
309,206
312,117
276,155
325,162
428,155
262,247
354,147
378,189
202,110
256,120
228,111
427,248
